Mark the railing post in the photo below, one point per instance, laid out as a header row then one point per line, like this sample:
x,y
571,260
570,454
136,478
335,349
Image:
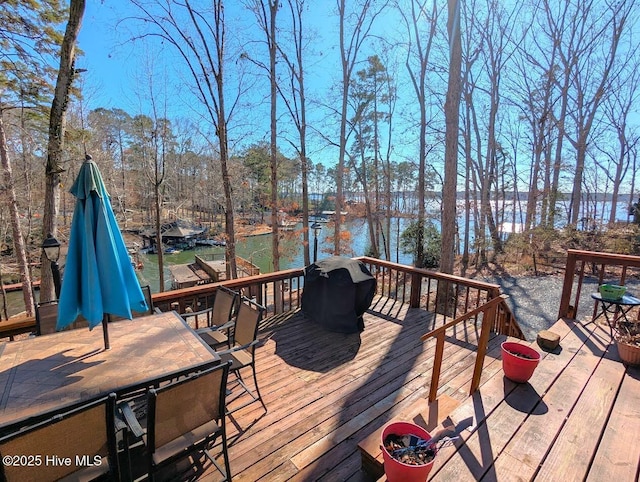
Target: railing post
x,y
437,364
488,318
567,286
416,290
277,296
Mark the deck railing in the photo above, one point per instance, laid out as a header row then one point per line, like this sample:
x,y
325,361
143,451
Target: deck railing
x,y
593,266
444,294
279,292
447,295
488,311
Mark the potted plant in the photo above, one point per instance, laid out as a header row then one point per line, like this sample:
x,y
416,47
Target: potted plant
x,y
627,337
519,361
408,452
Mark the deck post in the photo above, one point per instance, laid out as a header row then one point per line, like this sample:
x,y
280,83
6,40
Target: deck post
x,y
437,364
416,289
567,285
488,319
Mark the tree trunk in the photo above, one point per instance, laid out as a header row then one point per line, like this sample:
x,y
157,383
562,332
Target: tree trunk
x,y
18,240
343,130
451,110
271,40
158,224
57,125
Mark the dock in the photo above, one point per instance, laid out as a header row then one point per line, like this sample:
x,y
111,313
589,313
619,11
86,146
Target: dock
x,y
208,269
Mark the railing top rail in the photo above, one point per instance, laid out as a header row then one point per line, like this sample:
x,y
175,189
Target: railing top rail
x,y
609,258
431,274
466,316
233,283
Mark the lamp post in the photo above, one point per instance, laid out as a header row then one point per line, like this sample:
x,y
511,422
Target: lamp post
x,y
316,230
51,249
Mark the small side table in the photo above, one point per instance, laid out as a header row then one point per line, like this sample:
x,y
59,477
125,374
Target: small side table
x,y
614,310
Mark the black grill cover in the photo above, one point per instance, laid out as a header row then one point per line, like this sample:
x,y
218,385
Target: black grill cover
x,y
337,292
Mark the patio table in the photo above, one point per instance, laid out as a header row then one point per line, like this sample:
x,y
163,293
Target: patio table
x,y
614,309
46,372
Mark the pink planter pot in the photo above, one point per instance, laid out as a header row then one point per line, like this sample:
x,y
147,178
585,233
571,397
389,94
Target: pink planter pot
x,y
519,361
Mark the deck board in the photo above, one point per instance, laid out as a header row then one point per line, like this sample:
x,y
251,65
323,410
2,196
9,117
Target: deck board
x,y
560,383
577,441
343,398
613,459
326,392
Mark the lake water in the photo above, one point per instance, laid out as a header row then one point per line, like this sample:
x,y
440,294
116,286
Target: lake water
x,y
257,250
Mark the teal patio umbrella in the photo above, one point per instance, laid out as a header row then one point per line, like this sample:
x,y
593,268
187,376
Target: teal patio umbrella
x,y
99,279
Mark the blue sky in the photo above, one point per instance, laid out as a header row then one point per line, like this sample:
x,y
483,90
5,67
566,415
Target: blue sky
x,y
107,58
117,69
114,63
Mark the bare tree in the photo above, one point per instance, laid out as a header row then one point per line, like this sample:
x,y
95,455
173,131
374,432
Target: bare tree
x,y
417,62
451,112
617,110
266,15
296,104
355,27
589,64
18,240
57,124
199,37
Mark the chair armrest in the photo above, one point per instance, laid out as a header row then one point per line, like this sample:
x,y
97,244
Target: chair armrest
x,y
238,348
227,325
133,425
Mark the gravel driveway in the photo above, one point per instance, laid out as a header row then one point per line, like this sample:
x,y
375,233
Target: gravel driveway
x,y
535,300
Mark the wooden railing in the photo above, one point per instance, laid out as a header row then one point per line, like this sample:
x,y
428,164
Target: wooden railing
x,y
444,294
597,267
464,299
281,291
488,311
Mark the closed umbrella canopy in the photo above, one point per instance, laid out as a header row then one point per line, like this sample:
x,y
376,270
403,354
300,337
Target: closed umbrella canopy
x,y
98,276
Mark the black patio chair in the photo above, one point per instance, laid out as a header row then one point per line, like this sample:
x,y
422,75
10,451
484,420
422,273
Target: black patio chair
x,y
47,318
217,319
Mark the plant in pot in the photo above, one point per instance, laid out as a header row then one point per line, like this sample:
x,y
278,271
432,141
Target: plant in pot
x,y
408,452
627,337
519,361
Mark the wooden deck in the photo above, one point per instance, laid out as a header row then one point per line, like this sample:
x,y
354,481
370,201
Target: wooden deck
x,y
327,391
578,418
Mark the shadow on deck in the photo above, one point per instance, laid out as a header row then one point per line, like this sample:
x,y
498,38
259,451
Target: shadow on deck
x,y
327,391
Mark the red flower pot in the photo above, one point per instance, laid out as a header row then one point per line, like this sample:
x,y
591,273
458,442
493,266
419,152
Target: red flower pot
x,y
519,361
395,470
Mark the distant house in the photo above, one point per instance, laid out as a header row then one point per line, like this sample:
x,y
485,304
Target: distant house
x,y
178,234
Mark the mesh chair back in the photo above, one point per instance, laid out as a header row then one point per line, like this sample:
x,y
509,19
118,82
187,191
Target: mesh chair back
x,y
222,311
183,406
247,320
146,291
224,305
46,317
84,431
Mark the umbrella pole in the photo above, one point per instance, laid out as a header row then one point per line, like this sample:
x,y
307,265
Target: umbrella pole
x,y
105,331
